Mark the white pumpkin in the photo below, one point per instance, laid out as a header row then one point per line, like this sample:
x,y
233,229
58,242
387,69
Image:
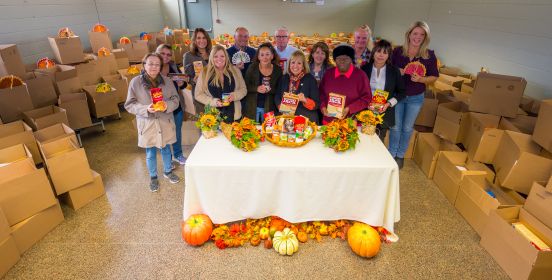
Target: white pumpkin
x,y
285,242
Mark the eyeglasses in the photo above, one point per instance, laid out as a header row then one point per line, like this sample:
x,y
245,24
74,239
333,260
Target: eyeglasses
x,y
153,65
166,54
282,37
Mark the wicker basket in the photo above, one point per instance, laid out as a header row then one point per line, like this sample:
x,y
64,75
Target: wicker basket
x,y
368,129
209,133
288,144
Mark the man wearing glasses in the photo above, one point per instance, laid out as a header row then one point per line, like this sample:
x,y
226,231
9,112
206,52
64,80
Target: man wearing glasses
x,y
282,48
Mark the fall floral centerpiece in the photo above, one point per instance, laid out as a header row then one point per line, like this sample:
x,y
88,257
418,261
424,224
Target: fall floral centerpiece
x,y
340,135
369,119
209,122
244,134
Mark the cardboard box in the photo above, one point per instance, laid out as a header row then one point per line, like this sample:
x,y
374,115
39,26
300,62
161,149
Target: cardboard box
x,y
428,112
518,164
513,252
67,50
121,57
411,143
46,116
80,197
530,105
4,226
451,169
120,84
482,137
178,51
24,190
13,102
451,121
88,74
539,203
135,50
549,185
42,92
54,132
58,73
427,150
11,62
72,85
490,88
30,231
100,40
453,81
467,87
542,134
106,65
126,76
102,104
9,255
475,203
451,71
67,164
19,132
523,124
76,106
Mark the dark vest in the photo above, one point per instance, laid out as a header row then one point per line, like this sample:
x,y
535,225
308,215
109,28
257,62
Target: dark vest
x,y
226,112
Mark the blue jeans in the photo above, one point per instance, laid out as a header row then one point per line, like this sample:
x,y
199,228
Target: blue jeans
x,y
406,112
151,160
259,116
177,146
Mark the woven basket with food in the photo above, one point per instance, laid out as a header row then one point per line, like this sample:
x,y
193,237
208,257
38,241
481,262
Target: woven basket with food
x,y
288,131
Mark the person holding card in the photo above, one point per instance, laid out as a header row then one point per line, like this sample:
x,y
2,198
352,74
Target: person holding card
x,y
241,54
344,89
262,82
197,58
297,90
418,65
220,84
156,129
169,67
386,84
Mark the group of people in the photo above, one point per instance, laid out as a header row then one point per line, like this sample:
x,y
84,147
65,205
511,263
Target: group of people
x,y
245,82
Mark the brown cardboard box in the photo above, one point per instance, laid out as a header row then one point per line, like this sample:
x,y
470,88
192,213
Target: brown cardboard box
x,y
76,106
11,62
482,137
80,197
178,51
474,202
4,226
451,169
462,96
46,116
491,88
31,230
120,84
428,112
427,150
513,252
518,164
100,40
451,71
67,50
180,35
42,92
9,254
24,190
128,77
121,57
539,203
521,123
467,87
88,74
453,81
451,121
54,133
58,73
135,50
542,133
530,105
411,143
67,164
71,85
13,102
106,65
19,132
102,104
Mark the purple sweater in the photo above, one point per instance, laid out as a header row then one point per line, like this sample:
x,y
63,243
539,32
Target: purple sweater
x,y
399,60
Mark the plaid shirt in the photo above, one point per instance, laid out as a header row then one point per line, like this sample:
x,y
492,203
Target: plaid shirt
x,y
363,59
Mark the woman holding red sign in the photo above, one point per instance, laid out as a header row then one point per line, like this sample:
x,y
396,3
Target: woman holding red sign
x,y
152,98
418,65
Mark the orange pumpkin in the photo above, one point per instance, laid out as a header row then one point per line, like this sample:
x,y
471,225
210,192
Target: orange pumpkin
x,y
10,81
187,42
124,41
65,32
133,70
103,52
364,240
302,237
255,241
146,37
264,233
197,229
268,244
99,28
45,63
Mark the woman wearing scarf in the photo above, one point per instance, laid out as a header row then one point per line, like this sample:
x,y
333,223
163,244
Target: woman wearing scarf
x,y
156,128
299,81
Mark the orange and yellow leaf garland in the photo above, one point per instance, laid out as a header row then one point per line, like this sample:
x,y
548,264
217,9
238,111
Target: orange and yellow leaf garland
x,y
245,135
340,135
368,117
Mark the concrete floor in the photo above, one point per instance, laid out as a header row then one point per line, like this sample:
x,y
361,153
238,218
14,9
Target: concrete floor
x,y
133,234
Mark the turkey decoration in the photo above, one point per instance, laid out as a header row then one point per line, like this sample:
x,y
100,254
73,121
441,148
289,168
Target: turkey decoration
x,y
124,41
145,36
10,81
103,52
415,67
45,63
65,32
99,28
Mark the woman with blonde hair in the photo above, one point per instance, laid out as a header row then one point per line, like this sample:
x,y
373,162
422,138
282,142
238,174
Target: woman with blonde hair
x,y
299,81
414,50
220,84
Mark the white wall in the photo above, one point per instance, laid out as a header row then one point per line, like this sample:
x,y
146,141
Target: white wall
x,y
171,12
266,15
512,37
29,23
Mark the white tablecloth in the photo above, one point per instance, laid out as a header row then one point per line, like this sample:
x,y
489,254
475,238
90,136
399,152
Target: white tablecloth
x,y
311,183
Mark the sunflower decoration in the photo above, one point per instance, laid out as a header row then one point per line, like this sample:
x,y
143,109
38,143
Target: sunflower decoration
x,y
133,70
65,32
340,135
103,88
10,81
243,135
104,52
209,122
369,119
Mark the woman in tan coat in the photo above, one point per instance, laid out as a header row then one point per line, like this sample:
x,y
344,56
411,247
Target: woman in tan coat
x,y
221,85
156,128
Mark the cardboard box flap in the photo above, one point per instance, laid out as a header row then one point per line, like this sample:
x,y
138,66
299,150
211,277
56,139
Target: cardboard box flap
x,y
477,189
452,111
539,204
53,132
522,124
14,154
56,148
42,91
538,228
454,164
66,98
13,128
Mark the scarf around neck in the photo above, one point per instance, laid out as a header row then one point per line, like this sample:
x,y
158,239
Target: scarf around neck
x,y
294,81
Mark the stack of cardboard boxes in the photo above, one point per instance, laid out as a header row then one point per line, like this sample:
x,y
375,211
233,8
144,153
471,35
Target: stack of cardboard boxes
x,y
486,155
